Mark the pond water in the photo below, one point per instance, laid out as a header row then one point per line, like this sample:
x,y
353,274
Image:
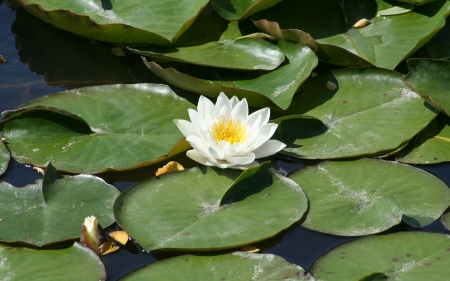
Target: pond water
x,y
43,60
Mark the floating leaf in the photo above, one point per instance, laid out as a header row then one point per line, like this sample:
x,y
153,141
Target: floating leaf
x,y
4,157
113,127
371,113
412,256
260,89
397,10
54,208
204,209
235,266
418,2
151,22
431,79
74,263
367,196
430,146
382,43
234,10
223,47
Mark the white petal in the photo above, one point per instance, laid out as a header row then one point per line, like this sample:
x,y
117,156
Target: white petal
x,y
268,148
233,101
225,112
185,127
210,110
194,155
265,133
222,101
254,121
198,145
244,160
215,152
221,164
201,105
235,150
240,110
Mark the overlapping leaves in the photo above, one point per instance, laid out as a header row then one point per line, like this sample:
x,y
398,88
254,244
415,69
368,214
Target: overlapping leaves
x,y
89,130
4,158
384,43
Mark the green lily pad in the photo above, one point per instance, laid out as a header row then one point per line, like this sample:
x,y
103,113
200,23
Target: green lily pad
x,y
234,10
274,89
381,43
151,22
4,157
397,10
74,263
418,2
430,146
431,79
243,53
53,209
204,209
372,112
234,266
94,129
367,196
412,256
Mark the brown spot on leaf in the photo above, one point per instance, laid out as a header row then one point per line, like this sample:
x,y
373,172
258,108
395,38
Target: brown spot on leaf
x,y
435,158
447,249
223,279
408,254
28,237
373,191
439,258
344,101
385,94
186,233
395,260
427,263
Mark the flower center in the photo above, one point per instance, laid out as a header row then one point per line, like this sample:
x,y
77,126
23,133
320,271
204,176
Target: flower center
x,y
230,131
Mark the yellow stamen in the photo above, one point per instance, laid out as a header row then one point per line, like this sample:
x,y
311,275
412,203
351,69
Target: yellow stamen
x,y
230,131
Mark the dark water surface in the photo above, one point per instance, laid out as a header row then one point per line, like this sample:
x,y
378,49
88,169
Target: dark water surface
x,y
43,60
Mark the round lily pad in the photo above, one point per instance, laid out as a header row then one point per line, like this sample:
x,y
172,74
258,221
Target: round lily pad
x,y
53,209
356,112
94,129
234,266
4,157
206,209
74,263
151,22
367,196
412,256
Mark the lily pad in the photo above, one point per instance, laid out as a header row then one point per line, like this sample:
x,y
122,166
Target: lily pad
x,y
430,146
371,112
234,266
381,43
431,79
94,129
412,256
274,89
234,10
74,263
367,196
151,22
53,209
204,209
418,2
4,157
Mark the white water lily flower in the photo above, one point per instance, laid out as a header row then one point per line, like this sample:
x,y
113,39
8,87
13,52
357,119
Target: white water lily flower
x,y
225,136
